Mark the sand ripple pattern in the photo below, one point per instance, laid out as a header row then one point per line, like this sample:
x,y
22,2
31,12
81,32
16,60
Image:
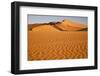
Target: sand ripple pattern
x,y
57,45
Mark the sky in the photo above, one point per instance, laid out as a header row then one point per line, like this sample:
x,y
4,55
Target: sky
x,y
52,18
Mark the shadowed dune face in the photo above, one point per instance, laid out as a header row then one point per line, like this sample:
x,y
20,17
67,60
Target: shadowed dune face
x,y
57,40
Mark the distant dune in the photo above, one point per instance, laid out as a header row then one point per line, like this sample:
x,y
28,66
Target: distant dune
x,y
44,28
57,40
65,25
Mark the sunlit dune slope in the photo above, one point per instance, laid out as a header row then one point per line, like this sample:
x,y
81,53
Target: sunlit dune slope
x,y
44,28
64,25
57,40
67,25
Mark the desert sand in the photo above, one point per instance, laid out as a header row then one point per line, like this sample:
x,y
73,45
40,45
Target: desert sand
x,y
57,40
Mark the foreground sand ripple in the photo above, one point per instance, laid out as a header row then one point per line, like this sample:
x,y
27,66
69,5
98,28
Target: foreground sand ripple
x,y
57,45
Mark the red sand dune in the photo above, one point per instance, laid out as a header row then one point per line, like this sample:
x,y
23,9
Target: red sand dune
x,y
67,25
44,28
57,40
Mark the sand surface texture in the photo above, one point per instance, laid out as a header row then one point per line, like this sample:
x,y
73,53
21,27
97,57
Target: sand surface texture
x,y
56,41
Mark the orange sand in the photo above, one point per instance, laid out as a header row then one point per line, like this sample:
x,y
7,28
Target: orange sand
x,y
48,43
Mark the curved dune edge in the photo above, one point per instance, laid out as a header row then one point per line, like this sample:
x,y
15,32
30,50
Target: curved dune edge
x,y
45,28
57,41
64,25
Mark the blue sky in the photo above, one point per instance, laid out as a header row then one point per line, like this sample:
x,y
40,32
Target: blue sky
x,y
52,18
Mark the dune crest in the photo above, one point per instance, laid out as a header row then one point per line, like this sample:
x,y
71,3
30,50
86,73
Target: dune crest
x,y
64,25
68,25
44,28
65,39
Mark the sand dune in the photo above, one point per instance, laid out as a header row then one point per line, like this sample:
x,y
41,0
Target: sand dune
x,y
44,28
64,25
57,40
67,25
